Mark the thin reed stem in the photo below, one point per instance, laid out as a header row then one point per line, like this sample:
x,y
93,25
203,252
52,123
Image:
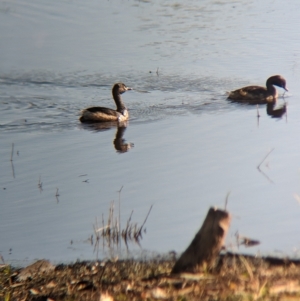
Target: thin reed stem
x,y
12,152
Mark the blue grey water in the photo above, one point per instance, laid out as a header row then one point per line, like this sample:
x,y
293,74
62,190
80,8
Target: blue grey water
x,y
191,146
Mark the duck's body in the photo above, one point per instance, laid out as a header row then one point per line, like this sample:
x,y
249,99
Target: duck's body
x,y
101,114
258,94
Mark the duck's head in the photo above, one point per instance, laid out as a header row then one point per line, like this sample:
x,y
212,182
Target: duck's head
x,y
120,88
278,81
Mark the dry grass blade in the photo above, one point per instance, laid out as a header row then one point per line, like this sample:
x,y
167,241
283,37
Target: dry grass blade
x,y
247,266
111,233
226,199
12,152
258,166
141,228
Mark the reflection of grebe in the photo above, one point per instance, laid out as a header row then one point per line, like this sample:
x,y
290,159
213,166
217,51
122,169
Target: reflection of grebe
x,y
100,114
274,111
119,142
257,94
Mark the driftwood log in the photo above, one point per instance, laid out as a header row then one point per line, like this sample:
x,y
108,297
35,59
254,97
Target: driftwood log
x,y
206,245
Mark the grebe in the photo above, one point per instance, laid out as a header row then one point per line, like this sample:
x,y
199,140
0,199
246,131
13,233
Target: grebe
x,y
257,94
101,114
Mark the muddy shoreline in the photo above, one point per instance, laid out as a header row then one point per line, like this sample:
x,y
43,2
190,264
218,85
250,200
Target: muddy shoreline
x,y
235,277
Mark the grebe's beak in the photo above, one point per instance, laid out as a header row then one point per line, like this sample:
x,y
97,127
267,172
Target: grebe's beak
x,y
285,88
127,88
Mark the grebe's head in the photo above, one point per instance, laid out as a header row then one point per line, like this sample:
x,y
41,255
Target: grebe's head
x,y
120,88
278,81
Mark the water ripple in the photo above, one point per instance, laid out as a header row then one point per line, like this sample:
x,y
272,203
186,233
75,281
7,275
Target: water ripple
x,y
49,101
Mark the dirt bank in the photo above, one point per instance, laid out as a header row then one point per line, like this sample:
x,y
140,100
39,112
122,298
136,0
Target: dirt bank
x,y
235,277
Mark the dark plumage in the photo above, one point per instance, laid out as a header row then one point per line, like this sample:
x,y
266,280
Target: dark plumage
x,y
101,114
257,94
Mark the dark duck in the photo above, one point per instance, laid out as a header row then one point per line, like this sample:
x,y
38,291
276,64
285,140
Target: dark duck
x,y
101,114
258,94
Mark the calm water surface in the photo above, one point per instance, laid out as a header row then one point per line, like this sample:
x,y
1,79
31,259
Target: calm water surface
x,y
191,146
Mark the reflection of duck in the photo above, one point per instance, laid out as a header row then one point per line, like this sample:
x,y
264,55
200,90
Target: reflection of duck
x,y
257,94
101,114
119,142
276,112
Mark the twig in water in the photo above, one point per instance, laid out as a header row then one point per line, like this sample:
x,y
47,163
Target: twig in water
x,y
285,104
96,246
40,184
57,195
126,233
258,166
257,116
111,232
11,159
157,71
119,191
226,199
12,152
257,112
139,232
12,168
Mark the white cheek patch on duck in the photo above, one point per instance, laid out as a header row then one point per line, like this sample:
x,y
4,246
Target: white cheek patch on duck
x,y
124,116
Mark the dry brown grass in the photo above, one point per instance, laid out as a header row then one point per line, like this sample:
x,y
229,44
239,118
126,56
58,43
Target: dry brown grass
x,y
236,277
110,233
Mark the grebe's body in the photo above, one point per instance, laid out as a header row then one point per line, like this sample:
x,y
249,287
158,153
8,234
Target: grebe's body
x,y
257,94
101,114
